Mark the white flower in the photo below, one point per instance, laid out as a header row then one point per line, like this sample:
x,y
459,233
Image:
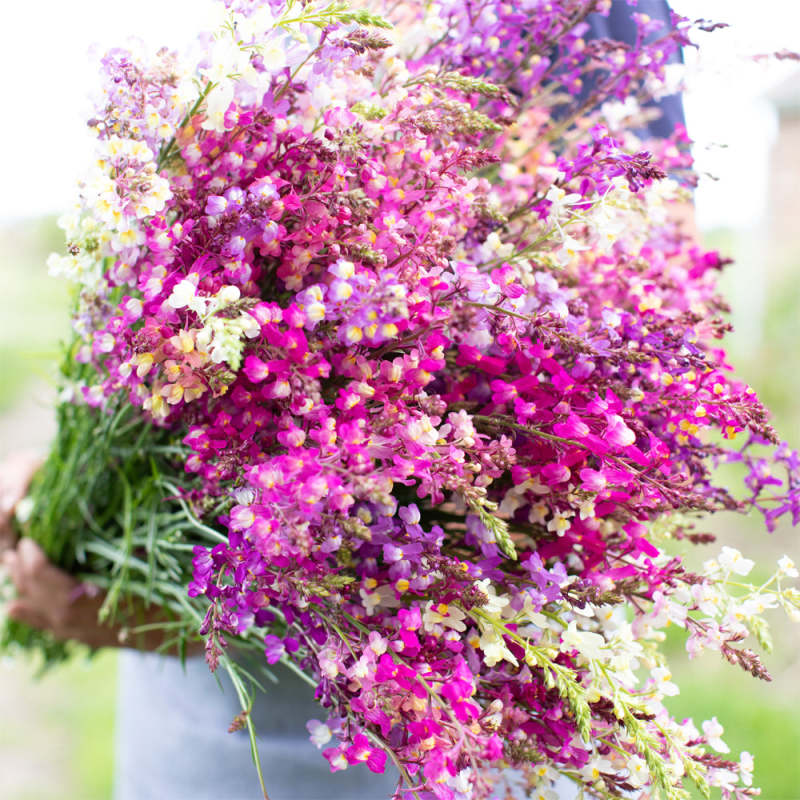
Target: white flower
x,y
245,496
496,603
607,223
560,522
560,202
787,567
217,102
377,643
610,317
713,732
226,58
616,112
461,783
462,428
666,610
495,649
538,512
256,23
343,269
382,596
225,344
637,772
494,248
545,773
790,600
746,768
757,604
731,559
663,679
273,55
128,235
227,295
586,509
568,252
320,733
106,343
708,598
361,668
315,312
723,778
443,614
249,325
422,430
591,772
23,510
587,644
184,294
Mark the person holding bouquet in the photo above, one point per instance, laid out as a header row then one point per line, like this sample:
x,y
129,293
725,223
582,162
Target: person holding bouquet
x,y
436,365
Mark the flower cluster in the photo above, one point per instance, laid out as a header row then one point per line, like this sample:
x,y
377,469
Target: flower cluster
x,y
414,299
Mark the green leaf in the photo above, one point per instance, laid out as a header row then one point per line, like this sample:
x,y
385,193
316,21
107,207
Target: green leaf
x,y
495,525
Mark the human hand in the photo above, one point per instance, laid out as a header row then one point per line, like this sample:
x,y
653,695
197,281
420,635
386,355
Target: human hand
x,y
47,598
16,473
52,600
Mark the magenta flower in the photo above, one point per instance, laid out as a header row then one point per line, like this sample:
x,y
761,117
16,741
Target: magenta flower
x,y
440,363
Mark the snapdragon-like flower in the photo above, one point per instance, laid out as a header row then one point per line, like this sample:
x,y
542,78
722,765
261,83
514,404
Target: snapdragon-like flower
x,y
448,374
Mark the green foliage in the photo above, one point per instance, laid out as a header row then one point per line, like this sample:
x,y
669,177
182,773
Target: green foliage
x,y
495,525
33,307
468,85
337,13
758,717
105,507
455,117
42,645
564,679
754,717
369,110
88,692
98,503
58,738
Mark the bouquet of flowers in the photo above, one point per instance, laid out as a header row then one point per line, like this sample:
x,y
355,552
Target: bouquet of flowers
x,y
391,362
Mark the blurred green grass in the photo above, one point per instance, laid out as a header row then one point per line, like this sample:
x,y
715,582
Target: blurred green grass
x,y
68,715
57,736
34,307
62,745
755,716
761,718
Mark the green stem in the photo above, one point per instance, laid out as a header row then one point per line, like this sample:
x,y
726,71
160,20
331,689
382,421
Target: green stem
x,y
167,149
499,309
247,706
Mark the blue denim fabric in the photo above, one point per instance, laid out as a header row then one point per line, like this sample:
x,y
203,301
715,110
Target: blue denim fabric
x,y
619,25
172,741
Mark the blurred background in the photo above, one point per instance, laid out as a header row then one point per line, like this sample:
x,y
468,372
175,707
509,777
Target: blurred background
x,y
744,115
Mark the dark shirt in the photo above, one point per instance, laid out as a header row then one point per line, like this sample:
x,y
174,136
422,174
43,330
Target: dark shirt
x,y
619,25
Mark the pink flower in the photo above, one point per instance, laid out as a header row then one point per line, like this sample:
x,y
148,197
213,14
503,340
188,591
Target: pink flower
x,y
362,752
617,433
